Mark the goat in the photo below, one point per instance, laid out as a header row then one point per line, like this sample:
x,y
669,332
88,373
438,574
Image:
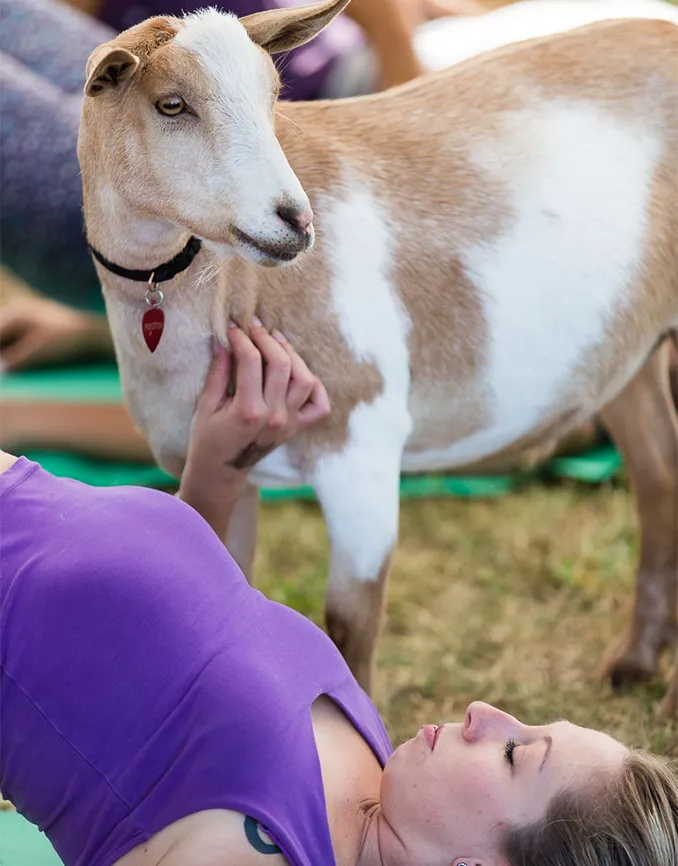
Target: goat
x,y
474,263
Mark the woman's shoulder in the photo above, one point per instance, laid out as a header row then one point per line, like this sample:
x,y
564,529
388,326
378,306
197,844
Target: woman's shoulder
x,y
219,837
131,547
351,771
222,837
52,507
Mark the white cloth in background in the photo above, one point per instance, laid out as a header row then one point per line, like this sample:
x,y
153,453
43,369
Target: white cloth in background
x,y
447,41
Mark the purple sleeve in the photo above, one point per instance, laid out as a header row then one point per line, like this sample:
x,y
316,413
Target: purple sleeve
x,y
303,71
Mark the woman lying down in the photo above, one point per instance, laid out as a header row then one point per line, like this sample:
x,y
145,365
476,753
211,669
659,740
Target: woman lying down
x,y
157,711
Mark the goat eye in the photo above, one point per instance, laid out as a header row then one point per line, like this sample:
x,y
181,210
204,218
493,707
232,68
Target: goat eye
x,y
171,107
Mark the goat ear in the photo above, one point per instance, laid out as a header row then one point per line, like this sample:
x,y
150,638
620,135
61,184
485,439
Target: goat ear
x,y
109,68
279,30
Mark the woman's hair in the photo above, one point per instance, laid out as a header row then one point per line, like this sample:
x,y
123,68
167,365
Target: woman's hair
x,y
634,823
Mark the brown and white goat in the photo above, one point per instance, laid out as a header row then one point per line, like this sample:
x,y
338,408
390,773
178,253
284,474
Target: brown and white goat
x,y
495,260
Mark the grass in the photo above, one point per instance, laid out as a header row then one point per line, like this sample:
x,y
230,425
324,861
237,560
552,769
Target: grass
x,y
514,601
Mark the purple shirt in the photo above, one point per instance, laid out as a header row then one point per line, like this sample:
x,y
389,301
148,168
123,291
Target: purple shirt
x,y
142,679
303,71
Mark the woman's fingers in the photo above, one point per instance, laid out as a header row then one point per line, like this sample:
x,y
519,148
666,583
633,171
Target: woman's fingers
x,y
275,392
302,380
277,371
316,407
306,395
214,391
249,377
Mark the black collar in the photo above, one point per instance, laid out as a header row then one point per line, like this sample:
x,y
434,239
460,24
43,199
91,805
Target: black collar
x,y
163,272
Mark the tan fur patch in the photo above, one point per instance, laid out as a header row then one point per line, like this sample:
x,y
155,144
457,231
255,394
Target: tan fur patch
x,y
145,38
297,301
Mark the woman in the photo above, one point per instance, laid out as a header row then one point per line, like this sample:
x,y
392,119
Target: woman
x,y
155,710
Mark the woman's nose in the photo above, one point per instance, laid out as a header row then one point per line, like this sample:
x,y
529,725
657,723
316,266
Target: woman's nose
x,y
484,720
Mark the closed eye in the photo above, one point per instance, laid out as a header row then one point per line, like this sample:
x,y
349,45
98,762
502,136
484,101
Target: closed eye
x,y
509,749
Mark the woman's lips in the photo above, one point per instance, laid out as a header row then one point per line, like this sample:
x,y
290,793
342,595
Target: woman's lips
x,y
430,734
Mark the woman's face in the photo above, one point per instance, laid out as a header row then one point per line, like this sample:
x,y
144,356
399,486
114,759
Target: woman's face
x,y
449,793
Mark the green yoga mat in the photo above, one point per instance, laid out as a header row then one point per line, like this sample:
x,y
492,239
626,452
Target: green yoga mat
x,y
22,844
100,384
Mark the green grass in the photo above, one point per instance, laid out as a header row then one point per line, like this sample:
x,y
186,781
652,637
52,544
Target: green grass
x,y
514,601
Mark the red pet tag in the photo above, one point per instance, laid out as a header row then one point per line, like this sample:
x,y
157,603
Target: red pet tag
x,y
153,320
152,324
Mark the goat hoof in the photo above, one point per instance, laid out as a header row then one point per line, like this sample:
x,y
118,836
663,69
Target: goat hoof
x,y
632,665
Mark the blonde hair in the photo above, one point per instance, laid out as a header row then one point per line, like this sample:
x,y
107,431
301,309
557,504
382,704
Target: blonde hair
x,y
634,824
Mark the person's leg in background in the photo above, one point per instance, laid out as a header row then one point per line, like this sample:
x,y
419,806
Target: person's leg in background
x,y
41,222
102,431
44,47
51,39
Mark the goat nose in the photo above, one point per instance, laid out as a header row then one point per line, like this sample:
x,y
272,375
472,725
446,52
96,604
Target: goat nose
x,y
298,219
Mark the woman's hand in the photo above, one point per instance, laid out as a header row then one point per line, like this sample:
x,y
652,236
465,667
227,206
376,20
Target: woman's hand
x,y
37,331
274,397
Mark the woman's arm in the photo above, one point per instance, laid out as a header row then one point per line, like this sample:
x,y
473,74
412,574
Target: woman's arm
x,y
230,433
219,837
274,397
389,25
101,430
36,331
